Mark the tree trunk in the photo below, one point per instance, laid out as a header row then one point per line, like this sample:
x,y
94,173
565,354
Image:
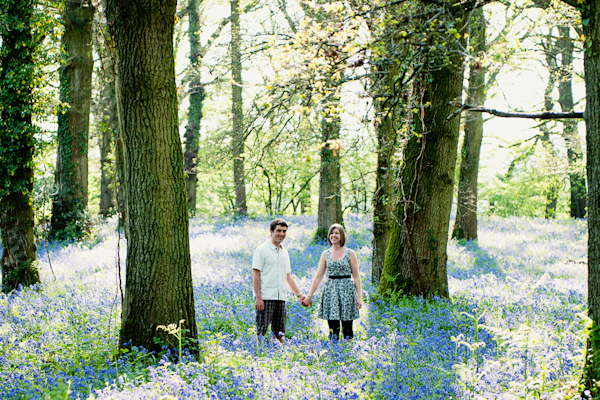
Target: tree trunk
x,y
106,115
384,194
465,226
17,144
415,260
197,94
552,184
570,133
386,128
158,287
237,110
304,198
71,176
590,16
330,182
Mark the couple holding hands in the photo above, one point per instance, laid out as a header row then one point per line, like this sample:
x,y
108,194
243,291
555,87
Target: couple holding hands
x,y
271,275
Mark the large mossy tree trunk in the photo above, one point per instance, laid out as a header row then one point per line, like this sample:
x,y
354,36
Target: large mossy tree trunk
x,y
590,15
415,260
71,175
158,287
238,132
17,145
570,132
330,179
465,225
196,98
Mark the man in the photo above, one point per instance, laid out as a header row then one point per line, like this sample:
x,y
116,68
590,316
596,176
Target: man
x,y
271,272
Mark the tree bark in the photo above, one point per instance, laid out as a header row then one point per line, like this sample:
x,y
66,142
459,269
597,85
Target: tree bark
x,y
238,132
71,176
330,180
17,146
590,16
197,94
570,133
465,226
415,260
158,287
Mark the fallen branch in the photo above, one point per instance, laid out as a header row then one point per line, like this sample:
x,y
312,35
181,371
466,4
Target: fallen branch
x,y
515,114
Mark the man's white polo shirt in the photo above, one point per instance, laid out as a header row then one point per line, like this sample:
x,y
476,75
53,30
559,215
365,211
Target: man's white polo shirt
x,y
274,265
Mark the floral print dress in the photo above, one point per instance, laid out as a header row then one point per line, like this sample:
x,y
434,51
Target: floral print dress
x,y
338,301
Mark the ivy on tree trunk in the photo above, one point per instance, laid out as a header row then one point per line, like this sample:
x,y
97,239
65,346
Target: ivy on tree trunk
x,y
17,144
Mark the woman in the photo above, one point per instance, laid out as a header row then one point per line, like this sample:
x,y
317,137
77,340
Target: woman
x,y
342,296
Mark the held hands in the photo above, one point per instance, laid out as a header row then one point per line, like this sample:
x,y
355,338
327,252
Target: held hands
x,y
306,301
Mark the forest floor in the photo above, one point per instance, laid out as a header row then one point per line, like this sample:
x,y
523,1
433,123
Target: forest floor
x,y
513,328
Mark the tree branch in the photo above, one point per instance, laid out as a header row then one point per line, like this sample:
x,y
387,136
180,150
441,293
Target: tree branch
x,y
571,2
515,114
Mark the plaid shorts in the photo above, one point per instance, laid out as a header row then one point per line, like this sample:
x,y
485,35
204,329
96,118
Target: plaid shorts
x,y
274,314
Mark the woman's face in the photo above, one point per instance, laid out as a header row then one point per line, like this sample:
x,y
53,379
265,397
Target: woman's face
x,y
334,236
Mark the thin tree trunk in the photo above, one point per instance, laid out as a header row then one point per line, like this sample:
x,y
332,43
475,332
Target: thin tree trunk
x,y
415,260
552,183
158,287
197,94
305,198
590,16
465,226
18,262
570,133
106,115
386,130
71,176
330,182
237,110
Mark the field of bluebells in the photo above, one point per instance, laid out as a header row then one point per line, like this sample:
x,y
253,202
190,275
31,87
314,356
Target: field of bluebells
x,y
514,327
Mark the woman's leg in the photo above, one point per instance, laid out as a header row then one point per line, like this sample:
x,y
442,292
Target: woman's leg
x,y
347,328
334,329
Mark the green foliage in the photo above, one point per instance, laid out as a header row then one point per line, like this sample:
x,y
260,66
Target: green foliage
x,y
534,175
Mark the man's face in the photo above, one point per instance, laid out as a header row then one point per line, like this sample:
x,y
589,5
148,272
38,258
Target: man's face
x,y
278,234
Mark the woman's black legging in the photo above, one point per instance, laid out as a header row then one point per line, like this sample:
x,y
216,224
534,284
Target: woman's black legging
x,y
335,329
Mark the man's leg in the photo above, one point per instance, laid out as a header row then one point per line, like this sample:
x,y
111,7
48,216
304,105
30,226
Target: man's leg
x,y
279,319
264,318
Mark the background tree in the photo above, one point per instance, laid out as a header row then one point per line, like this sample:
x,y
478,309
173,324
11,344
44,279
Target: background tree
x,y
578,191
158,278
238,132
105,113
196,99
18,78
71,176
465,226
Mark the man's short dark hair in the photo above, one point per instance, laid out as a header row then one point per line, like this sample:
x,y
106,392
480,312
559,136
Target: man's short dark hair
x,y
278,221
